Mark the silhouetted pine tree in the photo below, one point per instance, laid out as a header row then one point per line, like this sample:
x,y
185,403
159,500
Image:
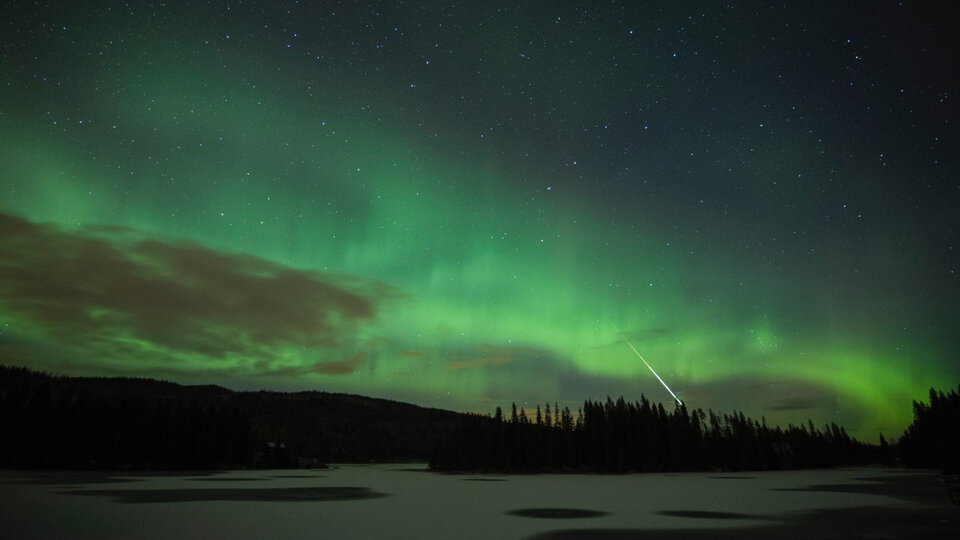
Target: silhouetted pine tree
x,y
933,439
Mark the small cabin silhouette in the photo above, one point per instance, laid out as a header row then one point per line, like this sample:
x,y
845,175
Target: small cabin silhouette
x,y
273,454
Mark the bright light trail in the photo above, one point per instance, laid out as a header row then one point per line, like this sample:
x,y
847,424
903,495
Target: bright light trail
x,y
640,356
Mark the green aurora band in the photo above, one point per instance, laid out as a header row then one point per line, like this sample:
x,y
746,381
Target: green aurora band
x,y
487,269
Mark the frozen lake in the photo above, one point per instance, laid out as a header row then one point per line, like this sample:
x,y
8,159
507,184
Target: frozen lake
x,y
406,501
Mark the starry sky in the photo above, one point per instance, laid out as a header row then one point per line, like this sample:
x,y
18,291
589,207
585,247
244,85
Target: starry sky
x,y
463,205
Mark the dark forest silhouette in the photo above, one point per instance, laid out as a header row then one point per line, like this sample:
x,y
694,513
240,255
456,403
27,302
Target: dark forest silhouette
x,y
106,423
51,421
932,441
620,436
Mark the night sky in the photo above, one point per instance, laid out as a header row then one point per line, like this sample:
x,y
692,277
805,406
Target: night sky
x,y
464,205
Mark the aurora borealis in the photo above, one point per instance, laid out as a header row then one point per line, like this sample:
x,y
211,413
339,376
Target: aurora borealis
x,y
466,205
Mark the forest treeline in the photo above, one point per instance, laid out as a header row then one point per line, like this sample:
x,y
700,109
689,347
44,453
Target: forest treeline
x,y
107,423
932,441
622,436
51,421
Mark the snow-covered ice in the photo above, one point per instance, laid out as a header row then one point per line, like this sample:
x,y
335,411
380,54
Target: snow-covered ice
x,y
407,501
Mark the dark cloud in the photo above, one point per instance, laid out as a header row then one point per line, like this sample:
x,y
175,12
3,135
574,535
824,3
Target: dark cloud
x,y
795,404
780,401
637,336
492,355
113,292
341,367
575,384
508,371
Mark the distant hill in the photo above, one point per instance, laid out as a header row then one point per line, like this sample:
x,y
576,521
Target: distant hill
x,y
49,421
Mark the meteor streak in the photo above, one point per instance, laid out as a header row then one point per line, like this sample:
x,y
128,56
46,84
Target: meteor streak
x,y
640,356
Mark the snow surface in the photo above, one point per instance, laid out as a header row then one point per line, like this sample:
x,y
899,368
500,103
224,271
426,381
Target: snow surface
x,y
407,501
